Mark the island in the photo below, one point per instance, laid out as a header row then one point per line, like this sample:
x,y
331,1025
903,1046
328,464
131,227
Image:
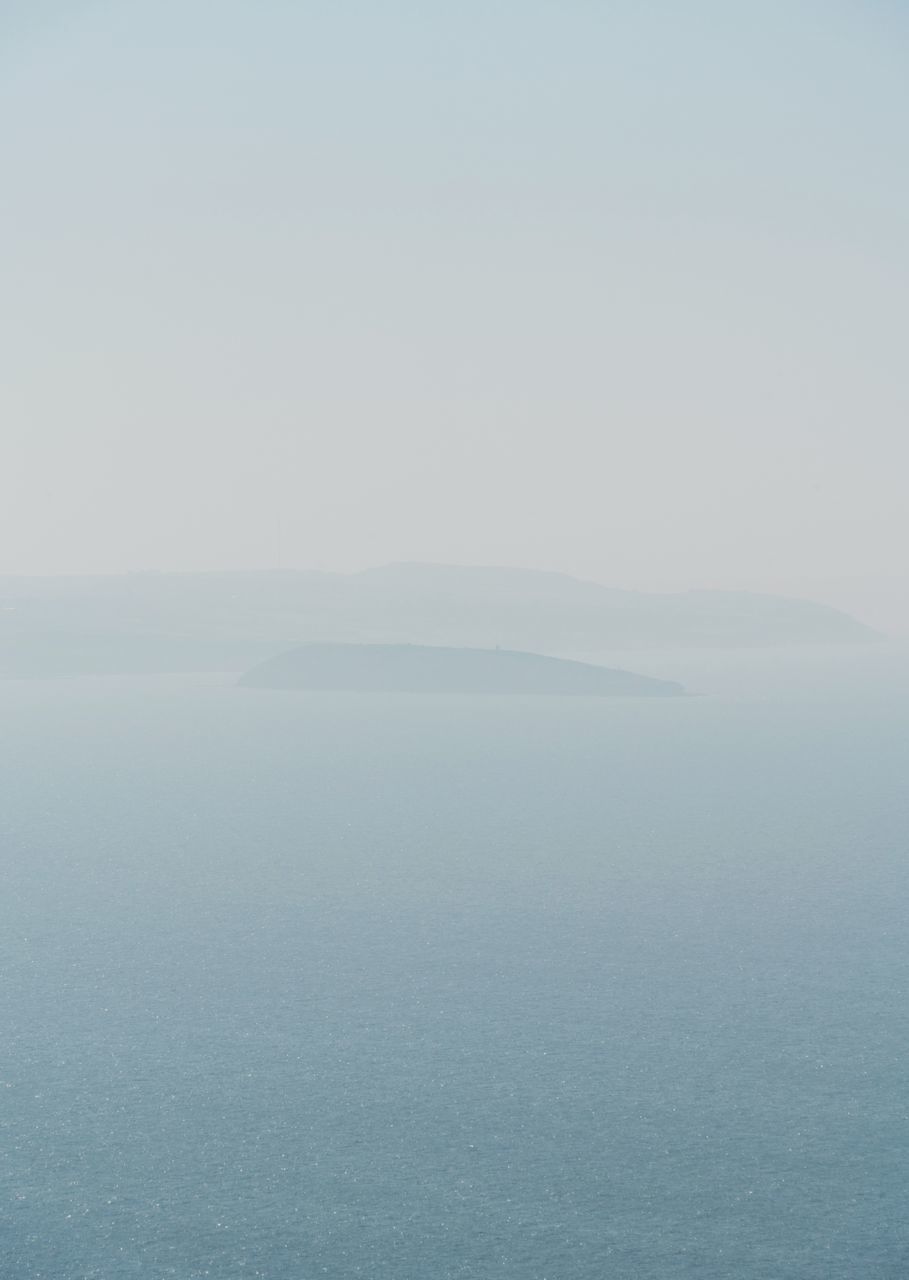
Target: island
x,y
145,623
412,668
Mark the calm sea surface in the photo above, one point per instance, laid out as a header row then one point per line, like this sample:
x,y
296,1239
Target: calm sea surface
x,y
301,986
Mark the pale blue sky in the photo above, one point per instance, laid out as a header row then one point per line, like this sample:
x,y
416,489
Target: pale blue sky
x,y
614,288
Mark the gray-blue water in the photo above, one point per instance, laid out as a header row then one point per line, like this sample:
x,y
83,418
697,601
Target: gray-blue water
x,y
296,986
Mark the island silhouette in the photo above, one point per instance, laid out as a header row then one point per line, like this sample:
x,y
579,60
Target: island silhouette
x,y
173,622
410,668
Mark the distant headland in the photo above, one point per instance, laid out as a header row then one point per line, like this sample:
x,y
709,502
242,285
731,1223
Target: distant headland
x,y
411,668
182,622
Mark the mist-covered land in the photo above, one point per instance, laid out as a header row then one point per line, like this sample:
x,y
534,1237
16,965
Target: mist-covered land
x,y
170,622
408,668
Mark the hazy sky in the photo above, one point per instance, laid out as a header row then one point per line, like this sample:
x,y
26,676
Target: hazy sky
x,y
608,286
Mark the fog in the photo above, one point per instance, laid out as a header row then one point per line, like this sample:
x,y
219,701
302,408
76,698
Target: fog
x,y
617,290
454,639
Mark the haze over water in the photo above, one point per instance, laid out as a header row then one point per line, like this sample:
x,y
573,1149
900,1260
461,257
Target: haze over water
x,y
302,985
617,290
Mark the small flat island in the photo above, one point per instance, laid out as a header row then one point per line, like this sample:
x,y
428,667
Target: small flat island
x,y
411,668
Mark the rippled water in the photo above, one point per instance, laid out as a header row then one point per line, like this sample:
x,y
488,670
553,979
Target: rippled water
x,y
296,986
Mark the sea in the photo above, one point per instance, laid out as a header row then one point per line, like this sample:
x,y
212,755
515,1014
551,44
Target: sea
x,y
301,985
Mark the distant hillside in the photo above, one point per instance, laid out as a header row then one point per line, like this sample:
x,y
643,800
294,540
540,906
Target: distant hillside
x,y
557,613
228,621
386,668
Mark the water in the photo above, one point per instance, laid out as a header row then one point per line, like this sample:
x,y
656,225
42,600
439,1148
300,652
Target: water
x,y
318,986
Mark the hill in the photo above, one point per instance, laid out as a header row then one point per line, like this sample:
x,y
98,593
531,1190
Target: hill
x,y
382,668
228,621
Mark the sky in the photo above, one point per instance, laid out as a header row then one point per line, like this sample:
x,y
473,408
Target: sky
x,y
613,288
